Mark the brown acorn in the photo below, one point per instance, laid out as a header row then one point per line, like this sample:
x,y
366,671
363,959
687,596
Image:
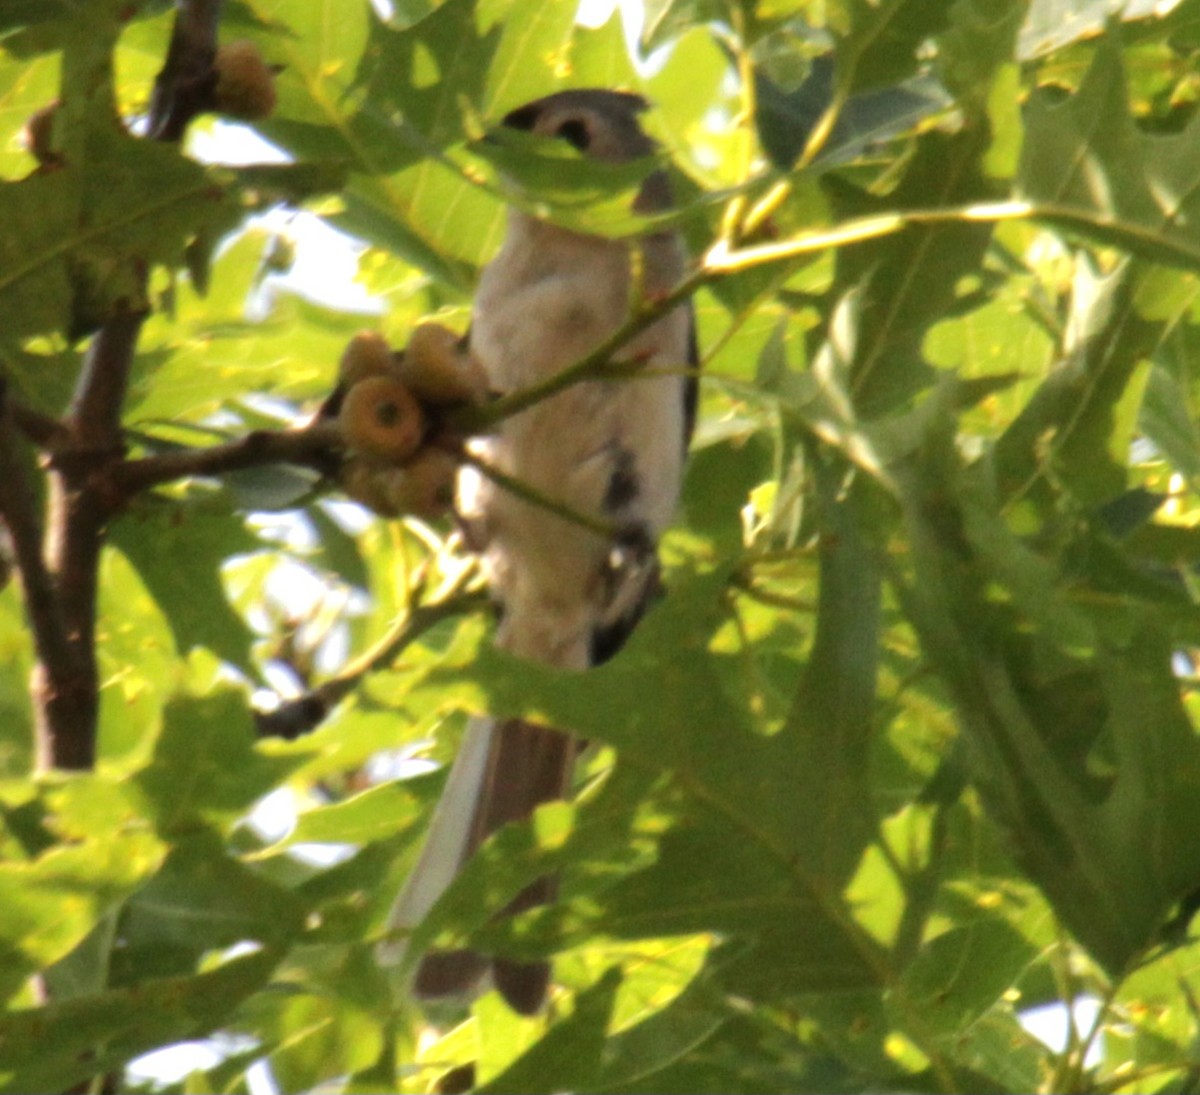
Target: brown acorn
x,y
366,354
438,370
245,82
373,484
426,486
380,418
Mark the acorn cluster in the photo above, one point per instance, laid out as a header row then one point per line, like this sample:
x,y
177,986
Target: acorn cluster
x,y
391,409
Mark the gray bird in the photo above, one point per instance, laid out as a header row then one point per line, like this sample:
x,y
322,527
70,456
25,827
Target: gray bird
x,y
568,596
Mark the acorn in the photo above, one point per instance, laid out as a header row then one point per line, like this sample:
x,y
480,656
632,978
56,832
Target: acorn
x,y
380,418
245,82
425,486
366,354
372,484
438,370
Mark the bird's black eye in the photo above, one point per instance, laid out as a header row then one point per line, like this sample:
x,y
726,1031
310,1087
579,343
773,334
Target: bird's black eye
x,y
574,131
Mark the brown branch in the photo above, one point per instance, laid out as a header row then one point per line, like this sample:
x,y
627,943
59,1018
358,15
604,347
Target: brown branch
x,y
67,688
186,86
93,420
44,430
88,445
313,446
18,511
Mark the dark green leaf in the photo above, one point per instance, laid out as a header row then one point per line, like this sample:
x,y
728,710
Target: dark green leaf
x,y
721,866
1166,419
961,974
569,1053
1137,189
882,44
178,549
899,286
786,119
205,764
51,1048
1078,425
202,899
1069,736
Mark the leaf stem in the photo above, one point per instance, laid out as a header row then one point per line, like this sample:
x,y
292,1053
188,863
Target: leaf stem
x,y
745,584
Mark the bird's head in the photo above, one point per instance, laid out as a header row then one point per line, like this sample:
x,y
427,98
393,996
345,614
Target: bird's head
x,y
600,123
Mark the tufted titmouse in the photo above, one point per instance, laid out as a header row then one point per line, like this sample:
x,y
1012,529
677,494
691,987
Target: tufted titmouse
x,y
612,451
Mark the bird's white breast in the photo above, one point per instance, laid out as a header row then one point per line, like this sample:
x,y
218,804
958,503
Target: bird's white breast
x,y
548,299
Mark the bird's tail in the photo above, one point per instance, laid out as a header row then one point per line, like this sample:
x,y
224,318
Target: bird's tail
x,y
503,771
446,846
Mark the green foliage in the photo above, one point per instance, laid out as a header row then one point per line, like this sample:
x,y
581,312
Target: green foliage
x,y
908,749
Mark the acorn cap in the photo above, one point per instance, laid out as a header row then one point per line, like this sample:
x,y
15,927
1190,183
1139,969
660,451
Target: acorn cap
x,y
366,354
426,487
245,82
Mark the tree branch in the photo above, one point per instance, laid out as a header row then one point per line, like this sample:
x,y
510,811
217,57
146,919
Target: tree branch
x,y
44,430
93,420
313,446
606,530
186,86
18,511
69,689
89,443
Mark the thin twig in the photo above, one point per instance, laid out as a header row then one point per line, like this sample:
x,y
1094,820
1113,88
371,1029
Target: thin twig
x,y
747,587
305,713
723,259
